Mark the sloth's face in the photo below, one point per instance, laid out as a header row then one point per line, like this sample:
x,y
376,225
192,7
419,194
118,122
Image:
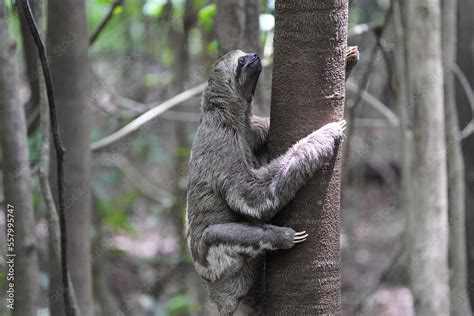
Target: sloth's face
x,y
242,71
247,72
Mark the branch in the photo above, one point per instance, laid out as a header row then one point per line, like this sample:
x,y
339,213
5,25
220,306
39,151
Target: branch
x,y
147,188
469,128
104,22
375,103
147,117
59,149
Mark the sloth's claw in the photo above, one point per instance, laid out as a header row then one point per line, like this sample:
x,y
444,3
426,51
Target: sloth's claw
x,y
300,233
300,238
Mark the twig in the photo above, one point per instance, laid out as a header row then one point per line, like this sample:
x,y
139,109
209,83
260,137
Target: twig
x,y
104,22
465,84
147,188
469,128
147,117
59,149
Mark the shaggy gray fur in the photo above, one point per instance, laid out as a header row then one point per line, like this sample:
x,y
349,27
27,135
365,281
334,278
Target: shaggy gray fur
x,y
231,194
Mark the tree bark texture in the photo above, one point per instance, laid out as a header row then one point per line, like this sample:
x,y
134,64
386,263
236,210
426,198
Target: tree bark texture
x,y
429,257
17,177
307,92
456,185
67,42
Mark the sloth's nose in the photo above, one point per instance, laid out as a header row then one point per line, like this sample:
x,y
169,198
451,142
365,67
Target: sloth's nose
x,y
252,57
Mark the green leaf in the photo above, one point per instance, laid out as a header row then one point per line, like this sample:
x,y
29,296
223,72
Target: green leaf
x,y
212,47
181,305
206,17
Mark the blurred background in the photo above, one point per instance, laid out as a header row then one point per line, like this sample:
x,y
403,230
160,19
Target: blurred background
x,y
126,201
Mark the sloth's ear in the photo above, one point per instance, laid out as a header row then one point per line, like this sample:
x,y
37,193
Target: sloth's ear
x,y
223,52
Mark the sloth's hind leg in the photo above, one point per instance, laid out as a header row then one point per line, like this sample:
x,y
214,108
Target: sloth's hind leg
x,y
352,57
249,240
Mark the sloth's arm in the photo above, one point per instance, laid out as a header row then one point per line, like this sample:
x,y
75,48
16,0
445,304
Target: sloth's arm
x,y
260,127
261,193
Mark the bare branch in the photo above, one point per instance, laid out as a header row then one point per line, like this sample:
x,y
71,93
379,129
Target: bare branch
x,y
147,117
465,84
104,22
69,310
375,103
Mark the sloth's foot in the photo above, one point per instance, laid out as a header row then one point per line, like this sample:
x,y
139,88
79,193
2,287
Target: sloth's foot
x,y
285,237
352,57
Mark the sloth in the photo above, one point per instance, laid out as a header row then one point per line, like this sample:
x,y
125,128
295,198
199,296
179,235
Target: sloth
x,y
232,195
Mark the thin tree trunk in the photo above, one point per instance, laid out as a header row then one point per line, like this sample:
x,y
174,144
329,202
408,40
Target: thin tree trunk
x,y
238,25
31,66
17,179
429,256
306,280
456,194
67,42
406,130
465,56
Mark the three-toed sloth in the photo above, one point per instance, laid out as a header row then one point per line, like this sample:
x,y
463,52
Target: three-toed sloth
x,y
232,195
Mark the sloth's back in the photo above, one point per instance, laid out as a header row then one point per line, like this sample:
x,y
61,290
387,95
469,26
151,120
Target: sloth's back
x,y
211,162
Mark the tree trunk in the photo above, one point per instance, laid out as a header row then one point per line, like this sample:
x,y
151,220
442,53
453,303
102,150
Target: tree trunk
x,y
32,70
406,131
465,56
456,186
429,256
67,42
307,92
17,179
238,25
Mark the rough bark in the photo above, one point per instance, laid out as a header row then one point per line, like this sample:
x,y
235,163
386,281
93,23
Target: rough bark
x,y
465,56
17,177
307,92
456,185
429,256
238,25
67,42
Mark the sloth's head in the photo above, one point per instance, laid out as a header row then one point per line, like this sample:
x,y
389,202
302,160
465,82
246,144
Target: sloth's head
x,y
238,71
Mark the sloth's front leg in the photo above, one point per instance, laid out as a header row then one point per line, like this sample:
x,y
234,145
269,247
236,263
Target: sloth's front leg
x,y
261,193
260,127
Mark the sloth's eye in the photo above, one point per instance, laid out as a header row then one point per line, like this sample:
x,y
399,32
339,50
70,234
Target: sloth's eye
x,y
242,60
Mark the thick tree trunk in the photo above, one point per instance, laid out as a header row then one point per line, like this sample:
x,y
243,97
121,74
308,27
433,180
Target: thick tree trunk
x,y
456,186
17,179
429,257
67,42
465,56
307,92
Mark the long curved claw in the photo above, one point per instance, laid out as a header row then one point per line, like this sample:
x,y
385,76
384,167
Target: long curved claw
x,y
300,238
343,124
300,233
